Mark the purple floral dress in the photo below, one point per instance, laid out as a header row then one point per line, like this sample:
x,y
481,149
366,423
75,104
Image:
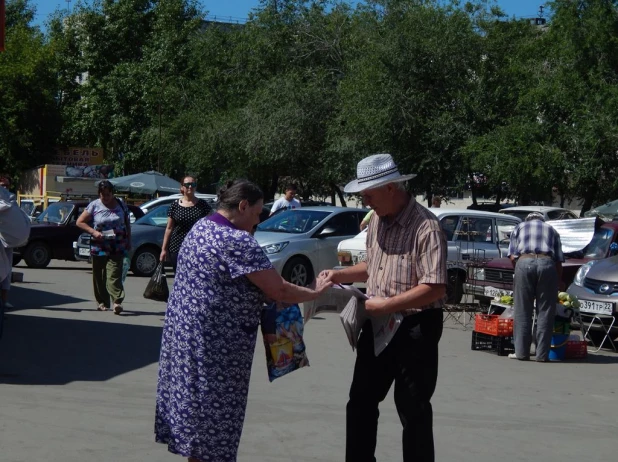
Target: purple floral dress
x,y
208,342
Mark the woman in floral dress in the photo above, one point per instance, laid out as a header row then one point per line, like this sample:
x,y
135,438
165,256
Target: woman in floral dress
x,y
211,326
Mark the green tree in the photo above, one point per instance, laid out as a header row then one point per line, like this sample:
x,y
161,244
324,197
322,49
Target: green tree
x,y
405,88
28,109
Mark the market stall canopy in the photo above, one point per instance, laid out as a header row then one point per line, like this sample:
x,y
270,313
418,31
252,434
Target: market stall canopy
x,y
145,183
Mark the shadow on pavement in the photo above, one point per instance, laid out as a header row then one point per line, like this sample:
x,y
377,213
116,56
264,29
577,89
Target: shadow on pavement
x,y
60,268
47,351
27,298
594,358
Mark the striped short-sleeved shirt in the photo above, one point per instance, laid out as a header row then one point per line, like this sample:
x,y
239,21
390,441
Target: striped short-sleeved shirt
x,y
405,252
536,236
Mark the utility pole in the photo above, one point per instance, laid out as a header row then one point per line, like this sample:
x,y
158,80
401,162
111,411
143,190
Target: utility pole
x,y
68,6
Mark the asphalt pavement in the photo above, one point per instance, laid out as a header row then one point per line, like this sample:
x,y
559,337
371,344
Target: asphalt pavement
x,y
77,384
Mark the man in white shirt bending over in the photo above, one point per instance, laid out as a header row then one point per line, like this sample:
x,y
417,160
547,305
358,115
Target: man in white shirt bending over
x,y
287,201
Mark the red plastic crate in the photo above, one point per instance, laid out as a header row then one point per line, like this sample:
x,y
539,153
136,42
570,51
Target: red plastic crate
x,y
576,349
493,324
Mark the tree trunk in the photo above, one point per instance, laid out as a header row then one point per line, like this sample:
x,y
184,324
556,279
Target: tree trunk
x,y
473,192
337,190
274,182
587,205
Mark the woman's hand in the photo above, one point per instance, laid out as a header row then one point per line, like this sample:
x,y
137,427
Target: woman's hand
x,y
97,235
321,284
326,276
163,255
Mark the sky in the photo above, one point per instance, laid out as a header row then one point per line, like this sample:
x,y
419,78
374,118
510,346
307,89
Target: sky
x,y
238,10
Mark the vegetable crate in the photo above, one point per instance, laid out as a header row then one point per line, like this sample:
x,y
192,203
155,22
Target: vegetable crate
x,y
492,324
576,349
501,345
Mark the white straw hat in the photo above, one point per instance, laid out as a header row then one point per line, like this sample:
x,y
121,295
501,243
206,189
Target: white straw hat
x,y
374,171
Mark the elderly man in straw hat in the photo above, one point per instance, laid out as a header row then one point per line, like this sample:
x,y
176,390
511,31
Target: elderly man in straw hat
x,y
405,272
536,253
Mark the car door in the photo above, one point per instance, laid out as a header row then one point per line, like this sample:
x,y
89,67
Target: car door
x,y
342,226
69,233
476,238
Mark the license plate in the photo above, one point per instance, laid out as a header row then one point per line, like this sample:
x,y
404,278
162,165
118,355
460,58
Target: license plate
x,y
493,292
588,306
84,252
361,257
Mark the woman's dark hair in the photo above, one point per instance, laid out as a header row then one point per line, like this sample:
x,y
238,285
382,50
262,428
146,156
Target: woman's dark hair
x,y
105,185
236,191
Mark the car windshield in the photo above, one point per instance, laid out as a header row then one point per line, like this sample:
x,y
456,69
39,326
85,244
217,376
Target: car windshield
x,y
610,209
27,207
296,221
599,245
156,217
58,213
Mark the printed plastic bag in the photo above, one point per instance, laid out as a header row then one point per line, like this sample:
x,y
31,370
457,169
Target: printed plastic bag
x,y
157,286
282,330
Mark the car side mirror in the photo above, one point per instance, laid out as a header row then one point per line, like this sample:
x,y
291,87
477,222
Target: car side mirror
x,y
326,232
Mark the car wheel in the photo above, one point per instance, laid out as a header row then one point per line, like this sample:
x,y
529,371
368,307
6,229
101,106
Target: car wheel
x,y
298,271
37,255
145,261
454,287
16,260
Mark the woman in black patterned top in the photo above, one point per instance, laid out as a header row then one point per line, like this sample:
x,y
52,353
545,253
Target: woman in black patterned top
x,y
182,215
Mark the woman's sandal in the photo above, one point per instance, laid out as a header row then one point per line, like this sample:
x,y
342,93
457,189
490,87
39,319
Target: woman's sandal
x,y
101,307
117,308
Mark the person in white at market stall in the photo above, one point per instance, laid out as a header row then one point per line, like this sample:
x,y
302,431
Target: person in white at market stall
x,y
288,201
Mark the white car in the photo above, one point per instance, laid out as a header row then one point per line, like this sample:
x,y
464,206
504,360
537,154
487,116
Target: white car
x,y
302,242
154,203
550,213
472,235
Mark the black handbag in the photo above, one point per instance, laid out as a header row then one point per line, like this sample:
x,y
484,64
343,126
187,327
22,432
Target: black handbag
x,y
157,289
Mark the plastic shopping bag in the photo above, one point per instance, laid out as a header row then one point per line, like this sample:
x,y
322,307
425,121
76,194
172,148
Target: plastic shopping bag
x,y
282,330
126,264
157,286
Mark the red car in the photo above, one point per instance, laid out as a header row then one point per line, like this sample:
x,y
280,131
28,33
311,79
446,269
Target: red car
x,y
495,277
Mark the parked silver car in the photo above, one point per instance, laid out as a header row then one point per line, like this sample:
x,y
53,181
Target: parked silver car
x,y
596,286
302,242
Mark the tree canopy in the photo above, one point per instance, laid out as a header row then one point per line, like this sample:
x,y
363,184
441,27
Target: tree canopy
x,y
304,89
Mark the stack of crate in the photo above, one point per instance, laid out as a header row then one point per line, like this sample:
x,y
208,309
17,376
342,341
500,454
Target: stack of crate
x,y
491,332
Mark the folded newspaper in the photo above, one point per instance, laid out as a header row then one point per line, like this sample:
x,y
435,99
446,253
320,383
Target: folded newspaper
x,y
349,302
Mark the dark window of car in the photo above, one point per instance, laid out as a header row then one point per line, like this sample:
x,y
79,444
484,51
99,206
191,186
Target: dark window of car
x,y
474,229
57,212
295,221
344,224
449,226
156,217
560,215
505,228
